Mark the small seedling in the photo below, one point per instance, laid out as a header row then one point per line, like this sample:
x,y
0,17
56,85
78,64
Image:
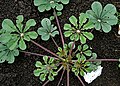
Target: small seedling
x,y
16,36
48,69
47,30
48,4
79,31
103,18
71,57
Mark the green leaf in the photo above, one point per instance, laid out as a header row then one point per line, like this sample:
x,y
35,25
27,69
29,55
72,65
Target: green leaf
x,y
83,58
119,65
45,37
2,47
77,37
39,2
72,37
59,13
67,27
45,58
38,64
46,23
97,8
37,72
32,34
89,25
88,53
109,9
13,44
10,58
16,52
98,26
79,47
5,37
52,18
111,19
70,45
26,37
22,44
51,60
85,47
65,1
67,33
82,19
41,8
8,25
59,7
48,7
89,35
19,21
41,31
92,16
54,33
82,39
42,77
73,20
50,77
106,27
81,72
29,23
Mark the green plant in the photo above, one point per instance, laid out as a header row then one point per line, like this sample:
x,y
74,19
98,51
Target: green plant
x,y
79,31
103,18
80,60
14,36
7,55
48,69
47,30
48,4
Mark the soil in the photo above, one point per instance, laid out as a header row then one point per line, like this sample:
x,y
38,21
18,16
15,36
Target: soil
x,y
20,73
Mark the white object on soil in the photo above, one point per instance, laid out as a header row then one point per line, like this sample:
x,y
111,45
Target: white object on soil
x,y
119,30
89,77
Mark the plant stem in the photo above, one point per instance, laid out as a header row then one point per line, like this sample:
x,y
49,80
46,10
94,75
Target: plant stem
x,y
81,81
70,52
46,83
46,50
61,77
68,82
60,69
58,24
55,42
103,60
36,54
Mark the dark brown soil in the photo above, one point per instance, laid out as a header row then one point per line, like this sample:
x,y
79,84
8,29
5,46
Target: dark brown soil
x,y
20,73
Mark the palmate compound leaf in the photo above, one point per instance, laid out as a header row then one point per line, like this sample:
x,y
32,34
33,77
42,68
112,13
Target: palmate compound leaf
x,y
7,55
79,31
47,30
17,35
103,18
46,70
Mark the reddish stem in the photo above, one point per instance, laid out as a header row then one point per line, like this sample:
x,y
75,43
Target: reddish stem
x,y
61,77
46,83
81,81
105,60
36,54
58,24
68,82
46,49
70,52
55,42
